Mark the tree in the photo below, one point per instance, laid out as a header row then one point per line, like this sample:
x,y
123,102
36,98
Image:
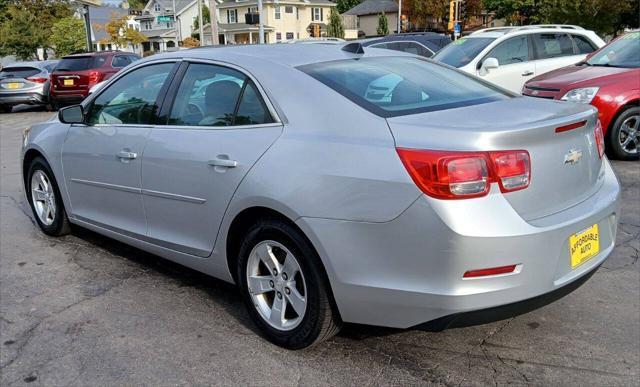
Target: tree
x,y
335,27
345,5
137,4
206,18
383,25
420,11
603,16
191,42
25,25
68,35
120,34
518,12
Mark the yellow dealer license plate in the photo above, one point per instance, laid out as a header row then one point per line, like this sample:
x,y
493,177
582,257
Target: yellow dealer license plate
x,y
68,82
584,245
14,85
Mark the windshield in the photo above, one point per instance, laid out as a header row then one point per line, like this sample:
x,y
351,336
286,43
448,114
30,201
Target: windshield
x,y
624,52
462,51
18,72
393,86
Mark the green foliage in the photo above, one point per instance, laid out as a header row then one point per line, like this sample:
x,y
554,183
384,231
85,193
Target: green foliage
x,y
206,18
345,5
602,16
335,27
120,34
25,25
137,4
68,35
383,25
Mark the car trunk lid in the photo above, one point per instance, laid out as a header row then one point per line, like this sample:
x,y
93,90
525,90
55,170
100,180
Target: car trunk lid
x,y
565,165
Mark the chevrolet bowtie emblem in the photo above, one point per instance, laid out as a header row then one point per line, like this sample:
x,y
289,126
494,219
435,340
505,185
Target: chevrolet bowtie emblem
x,y
573,157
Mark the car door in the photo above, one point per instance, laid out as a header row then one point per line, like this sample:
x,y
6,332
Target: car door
x,y
218,125
102,158
515,64
554,50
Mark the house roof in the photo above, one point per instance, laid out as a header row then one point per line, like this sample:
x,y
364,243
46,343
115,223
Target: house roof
x,y
100,16
163,33
373,7
168,4
235,27
245,3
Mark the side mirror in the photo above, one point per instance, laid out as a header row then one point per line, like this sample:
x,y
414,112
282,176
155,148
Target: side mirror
x,y
489,64
71,115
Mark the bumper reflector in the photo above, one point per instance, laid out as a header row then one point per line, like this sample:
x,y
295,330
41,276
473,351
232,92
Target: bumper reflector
x,y
490,271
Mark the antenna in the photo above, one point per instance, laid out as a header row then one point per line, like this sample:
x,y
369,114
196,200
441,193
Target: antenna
x,y
355,48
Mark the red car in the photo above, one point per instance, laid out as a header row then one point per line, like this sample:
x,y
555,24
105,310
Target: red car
x,y
609,79
75,74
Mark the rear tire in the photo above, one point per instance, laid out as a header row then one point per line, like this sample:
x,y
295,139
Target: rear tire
x,y
288,249
6,108
624,136
45,200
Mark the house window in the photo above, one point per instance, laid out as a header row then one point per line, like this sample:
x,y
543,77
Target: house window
x,y
278,12
146,24
232,15
156,7
253,9
289,35
288,9
316,14
170,24
278,36
297,13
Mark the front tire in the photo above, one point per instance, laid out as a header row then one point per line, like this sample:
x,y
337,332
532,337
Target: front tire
x,y
45,200
284,286
624,137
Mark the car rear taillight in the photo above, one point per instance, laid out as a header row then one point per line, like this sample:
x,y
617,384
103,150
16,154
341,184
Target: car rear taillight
x,y
37,79
94,77
489,272
463,175
599,136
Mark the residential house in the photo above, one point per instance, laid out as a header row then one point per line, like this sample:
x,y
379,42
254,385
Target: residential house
x,y
368,13
165,27
283,20
99,17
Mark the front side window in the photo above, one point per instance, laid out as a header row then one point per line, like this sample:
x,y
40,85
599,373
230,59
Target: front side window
x,y
409,47
212,95
462,51
131,99
552,45
514,50
120,61
393,86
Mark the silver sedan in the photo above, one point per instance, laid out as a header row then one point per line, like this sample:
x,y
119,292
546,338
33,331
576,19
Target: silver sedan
x,y
334,184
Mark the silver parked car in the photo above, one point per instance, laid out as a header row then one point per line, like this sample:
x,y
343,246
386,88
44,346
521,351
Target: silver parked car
x,y
25,83
333,184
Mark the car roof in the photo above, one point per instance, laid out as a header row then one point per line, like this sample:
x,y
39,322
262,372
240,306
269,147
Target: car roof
x,y
38,64
290,55
97,53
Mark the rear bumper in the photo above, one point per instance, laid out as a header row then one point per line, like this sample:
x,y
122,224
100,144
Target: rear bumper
x,y
409,271
69,98
30,98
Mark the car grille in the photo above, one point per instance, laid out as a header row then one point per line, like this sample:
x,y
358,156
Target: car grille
x,y
540,88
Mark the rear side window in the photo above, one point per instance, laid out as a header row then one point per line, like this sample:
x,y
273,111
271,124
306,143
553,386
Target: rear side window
x,y
514,50
131,99
80,63
584,45
552,45
462,51
409,47
18,72
393,86
120,61
211,95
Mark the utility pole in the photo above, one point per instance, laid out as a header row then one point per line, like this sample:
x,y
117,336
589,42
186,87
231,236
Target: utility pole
x,y
456,5
175,23
213,16
87,25
200,32
260,25
399,16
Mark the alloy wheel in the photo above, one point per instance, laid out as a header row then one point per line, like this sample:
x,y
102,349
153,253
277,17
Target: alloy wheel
x,y
629,135
276,285
43,197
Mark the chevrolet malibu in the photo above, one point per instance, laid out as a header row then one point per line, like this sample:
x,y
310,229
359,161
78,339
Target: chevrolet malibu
x,y
288,170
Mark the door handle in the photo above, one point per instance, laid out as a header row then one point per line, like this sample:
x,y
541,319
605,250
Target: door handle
x,y
526,73
223,162
126,155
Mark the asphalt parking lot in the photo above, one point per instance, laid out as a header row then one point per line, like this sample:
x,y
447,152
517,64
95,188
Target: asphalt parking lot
x,y
86,310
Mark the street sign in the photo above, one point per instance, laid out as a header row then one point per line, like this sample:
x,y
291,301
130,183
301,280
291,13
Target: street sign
x,y
165,19
456,29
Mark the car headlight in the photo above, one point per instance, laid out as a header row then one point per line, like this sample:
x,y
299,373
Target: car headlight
x,y
581,95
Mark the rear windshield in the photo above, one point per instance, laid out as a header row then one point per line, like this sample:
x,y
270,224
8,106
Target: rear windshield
x,y
18,72
462,51
80,63
394,86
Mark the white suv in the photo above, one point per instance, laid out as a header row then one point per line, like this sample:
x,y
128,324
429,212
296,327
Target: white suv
x,y
510,56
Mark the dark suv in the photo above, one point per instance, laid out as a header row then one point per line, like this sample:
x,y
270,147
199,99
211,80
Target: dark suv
x,y
75,74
